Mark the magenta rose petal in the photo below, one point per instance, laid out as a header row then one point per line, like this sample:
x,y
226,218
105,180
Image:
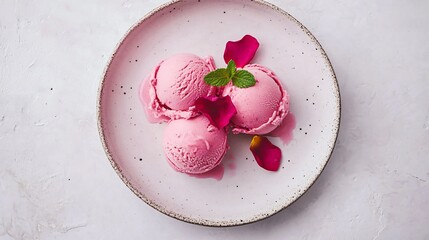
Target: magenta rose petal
x,y
219,110
241,51
266,154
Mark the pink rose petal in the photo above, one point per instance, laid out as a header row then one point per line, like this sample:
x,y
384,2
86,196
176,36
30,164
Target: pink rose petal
x,y
219,110
241,51
266,154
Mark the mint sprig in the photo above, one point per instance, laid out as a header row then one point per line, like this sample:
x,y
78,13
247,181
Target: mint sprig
x,y
218,77
222,76
231,68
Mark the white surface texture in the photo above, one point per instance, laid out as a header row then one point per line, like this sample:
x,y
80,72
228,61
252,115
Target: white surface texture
x,y
56,182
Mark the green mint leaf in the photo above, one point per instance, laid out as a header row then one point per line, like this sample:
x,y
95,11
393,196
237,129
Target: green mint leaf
x,y
231,68
218,77
243,79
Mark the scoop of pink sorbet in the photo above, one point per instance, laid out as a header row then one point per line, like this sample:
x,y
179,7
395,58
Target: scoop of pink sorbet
x,y
194,145
173,86
261,108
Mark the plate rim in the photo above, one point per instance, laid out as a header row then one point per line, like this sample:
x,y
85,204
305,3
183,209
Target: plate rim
x,y
205,222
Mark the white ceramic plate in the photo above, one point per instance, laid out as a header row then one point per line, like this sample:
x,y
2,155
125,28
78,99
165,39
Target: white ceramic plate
x,y
246,193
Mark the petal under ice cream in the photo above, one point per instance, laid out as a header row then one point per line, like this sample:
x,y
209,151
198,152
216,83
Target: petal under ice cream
x,y
194,145
173,86
261,108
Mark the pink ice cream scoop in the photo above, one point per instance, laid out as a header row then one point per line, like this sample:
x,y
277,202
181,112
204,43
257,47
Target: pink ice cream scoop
x,y
194,145
261,108
173,86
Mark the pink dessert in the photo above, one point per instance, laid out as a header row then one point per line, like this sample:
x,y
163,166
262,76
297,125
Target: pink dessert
x,y
194,145
201,103
173,86
261,108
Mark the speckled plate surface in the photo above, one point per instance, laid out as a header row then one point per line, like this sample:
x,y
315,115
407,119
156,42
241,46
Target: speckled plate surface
x,y
246,193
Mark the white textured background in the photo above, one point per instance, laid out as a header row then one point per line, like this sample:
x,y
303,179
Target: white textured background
x,y
55,180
